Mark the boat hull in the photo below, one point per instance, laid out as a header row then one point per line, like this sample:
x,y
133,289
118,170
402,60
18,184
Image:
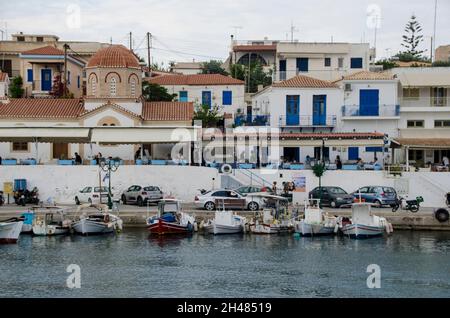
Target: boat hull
x,y
218,229
50,230
89,227
306,229
10,232
269,229
360,231
160,227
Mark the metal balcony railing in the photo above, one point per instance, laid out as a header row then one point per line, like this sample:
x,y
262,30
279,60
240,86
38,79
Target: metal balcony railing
x,y
252,120
362,111
307,121
425,101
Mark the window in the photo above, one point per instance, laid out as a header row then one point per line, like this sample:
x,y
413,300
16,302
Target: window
x,y
442,123
20,39
341,62
327,62
415,124
68,77
415,155
302,64
20,146
94,85
227,98
356,62
282,70
133,87
411,93
438,96
113,87
30,76
40,39
183,96
78,81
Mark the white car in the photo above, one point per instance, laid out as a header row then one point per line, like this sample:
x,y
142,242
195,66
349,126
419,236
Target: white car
x,y
231,199
92,195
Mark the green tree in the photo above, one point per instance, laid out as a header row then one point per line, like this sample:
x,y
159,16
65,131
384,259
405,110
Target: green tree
x,y
209,116
387,64
58,89
15,88
319,170
213,67
412,39
253,77
156,93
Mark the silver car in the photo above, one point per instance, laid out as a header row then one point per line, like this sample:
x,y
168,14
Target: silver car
x,y
231,199
140,195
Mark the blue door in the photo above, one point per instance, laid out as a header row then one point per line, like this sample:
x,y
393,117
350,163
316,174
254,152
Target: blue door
x,y
319,110
369,102
282,70
183,96
353,153
292,110
46,80
206,98
302,64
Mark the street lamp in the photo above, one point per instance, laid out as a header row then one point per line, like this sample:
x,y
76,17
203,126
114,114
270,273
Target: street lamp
x,y
110,166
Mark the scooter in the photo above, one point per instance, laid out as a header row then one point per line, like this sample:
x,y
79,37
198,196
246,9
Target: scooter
x,y
407,205
2,199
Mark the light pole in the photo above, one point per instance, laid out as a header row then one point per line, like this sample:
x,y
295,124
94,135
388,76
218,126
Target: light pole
x,y
110,166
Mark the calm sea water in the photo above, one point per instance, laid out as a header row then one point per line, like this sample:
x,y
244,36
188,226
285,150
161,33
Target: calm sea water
x,y
413,264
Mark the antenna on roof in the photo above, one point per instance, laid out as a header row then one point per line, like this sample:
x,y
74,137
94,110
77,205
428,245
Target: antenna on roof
x,y
293,30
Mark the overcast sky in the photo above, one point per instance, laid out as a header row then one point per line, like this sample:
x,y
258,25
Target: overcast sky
x,y
200,29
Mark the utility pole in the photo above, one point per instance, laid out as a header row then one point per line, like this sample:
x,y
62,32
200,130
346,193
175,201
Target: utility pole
x,y
131,41
149,45
433,41
293,29
66,47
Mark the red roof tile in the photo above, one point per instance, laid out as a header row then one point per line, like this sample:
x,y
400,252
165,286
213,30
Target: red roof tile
x,y
302,81
112,105
365,75
254,48
196,79
114,56
41,108
3,76
46,50
168,111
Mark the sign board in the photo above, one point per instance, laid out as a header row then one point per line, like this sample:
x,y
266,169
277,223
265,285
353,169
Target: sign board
x,y
299,182
8,188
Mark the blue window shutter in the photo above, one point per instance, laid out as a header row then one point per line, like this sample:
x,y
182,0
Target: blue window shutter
x,y
30,75
78,81
303,64
227,98
356,62
183,96
353,153
282,65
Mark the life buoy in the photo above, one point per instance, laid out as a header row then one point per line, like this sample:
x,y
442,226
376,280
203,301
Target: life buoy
x,y
442,215
226,169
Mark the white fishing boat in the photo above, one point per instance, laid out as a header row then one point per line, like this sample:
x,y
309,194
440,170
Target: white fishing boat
x,y
315,222
363,224
102,222
10,230
225,222
28,218
50,221
268,223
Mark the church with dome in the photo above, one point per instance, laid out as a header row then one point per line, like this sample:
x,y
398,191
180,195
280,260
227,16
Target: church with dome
x,y
112,98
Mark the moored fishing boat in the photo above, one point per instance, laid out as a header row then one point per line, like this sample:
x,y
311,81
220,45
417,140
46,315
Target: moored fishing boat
x,y
28,218
225,222
102,222
267,223
51,222
170,219
363,223
315,222
10,230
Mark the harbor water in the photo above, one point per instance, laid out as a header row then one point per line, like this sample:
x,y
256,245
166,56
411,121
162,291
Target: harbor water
x,y
412,264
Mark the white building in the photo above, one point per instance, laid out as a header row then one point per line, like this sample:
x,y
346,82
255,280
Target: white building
x,y
326,61
4,85
215,90
187,68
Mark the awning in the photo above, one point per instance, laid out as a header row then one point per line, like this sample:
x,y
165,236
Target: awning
x,y
421,143
45,134
142,135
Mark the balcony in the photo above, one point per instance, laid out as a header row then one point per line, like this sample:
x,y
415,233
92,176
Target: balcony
x,y
361,112
307,121
425,102
251,120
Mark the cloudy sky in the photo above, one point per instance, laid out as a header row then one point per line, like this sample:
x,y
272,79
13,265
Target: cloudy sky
x,y
184,30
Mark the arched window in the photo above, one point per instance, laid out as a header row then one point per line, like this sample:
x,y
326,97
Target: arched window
x,y
94,85
133,87
108,121
113,87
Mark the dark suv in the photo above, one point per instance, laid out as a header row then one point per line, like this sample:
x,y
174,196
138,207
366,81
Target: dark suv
x,y
332,196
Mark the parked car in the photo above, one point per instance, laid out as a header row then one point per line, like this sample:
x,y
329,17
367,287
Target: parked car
x,y
332,196
379,195
92,195
230,198
141,195
244,190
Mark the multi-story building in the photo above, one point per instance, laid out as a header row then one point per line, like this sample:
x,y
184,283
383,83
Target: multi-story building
x,y
443,53
247,52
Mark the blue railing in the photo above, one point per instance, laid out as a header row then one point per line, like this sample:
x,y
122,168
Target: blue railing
x,y
307,121
252,120
380,111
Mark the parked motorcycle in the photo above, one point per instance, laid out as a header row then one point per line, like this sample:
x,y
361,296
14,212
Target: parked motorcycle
x,y
23,197
447,199
407,205
2,198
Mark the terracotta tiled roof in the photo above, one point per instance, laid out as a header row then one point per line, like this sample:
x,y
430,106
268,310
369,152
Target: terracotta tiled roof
x,y
197,79
168,111
112,105
41,108
114,56
254,48
302,81
3,76
365,75
46,50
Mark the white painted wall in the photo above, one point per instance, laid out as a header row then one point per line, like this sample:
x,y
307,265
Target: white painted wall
x,y
4,87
